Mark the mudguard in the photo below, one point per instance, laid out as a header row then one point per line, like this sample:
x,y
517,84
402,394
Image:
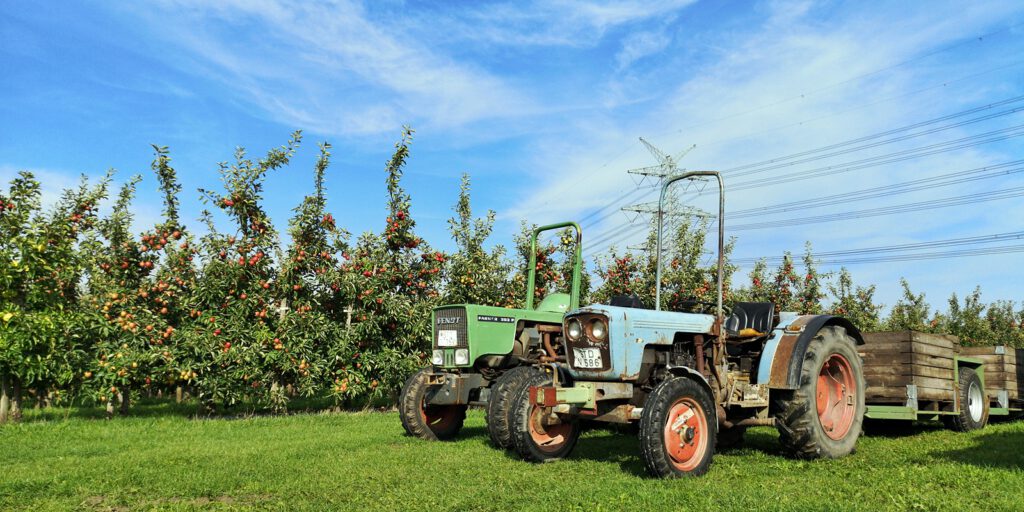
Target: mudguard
x,y
788,346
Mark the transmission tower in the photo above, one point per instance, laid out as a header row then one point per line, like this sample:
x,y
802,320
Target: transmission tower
x,y
667,164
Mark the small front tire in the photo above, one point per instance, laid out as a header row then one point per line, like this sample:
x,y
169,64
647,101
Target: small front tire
x,y
678,428
499,405
534,439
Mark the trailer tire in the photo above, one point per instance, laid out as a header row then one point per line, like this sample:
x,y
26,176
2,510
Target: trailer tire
x,y
973,415
533,441
680,452
499,405
428,422
823,417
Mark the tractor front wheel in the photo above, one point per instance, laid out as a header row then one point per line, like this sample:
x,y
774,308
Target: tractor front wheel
x,y
678,429
537,438
823,417
427,421
499,405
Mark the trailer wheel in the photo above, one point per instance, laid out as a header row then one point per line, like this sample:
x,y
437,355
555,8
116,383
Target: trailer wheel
x,y
533,440
973,404
678,429
823,417
499,405
426,421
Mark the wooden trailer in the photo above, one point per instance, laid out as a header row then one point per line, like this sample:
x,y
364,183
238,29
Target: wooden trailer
x,y
912,375
1004,377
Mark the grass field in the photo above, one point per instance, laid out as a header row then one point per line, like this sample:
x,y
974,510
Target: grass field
x,y
160,459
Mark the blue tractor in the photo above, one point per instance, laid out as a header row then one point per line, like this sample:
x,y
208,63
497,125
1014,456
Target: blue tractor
x,y
694,380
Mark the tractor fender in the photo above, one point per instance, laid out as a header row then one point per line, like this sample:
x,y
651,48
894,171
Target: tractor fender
x,y
685,371
785,350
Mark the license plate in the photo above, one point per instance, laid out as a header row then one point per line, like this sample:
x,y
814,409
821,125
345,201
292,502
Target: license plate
x,y
447,338
587,358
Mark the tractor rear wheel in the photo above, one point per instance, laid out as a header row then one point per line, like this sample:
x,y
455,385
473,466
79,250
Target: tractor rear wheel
x,y
427,421
973,404
536,438
823,417
499,405
678,429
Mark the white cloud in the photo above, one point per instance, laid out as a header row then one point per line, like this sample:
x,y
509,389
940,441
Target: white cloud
x,y
639,45
746,101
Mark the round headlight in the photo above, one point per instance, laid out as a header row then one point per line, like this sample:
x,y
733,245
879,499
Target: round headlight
x,y
598,329
574,330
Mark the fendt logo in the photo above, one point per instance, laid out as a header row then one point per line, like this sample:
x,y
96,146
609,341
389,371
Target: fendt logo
x,y
447,321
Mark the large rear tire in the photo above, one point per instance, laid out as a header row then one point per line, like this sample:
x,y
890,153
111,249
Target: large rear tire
x,y
426,421
532,438
678,429
824,416
499,405
974,406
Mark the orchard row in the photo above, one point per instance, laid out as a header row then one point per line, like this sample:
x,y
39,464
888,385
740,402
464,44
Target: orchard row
x,y
91,312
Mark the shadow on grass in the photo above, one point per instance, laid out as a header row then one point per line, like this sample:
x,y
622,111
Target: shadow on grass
x,y
894,429
189,409
989,450
620,445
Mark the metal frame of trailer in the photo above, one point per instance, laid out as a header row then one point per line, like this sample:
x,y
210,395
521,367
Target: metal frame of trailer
x,y
934,409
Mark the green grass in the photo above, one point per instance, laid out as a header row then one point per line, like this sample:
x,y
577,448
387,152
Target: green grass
x,y
160,459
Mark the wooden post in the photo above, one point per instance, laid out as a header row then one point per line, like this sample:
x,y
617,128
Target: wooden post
x,y
178,394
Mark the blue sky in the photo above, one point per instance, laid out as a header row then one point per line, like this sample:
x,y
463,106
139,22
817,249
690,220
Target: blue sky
x,y
542,103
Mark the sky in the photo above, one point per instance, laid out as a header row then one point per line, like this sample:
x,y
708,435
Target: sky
x,y
543,103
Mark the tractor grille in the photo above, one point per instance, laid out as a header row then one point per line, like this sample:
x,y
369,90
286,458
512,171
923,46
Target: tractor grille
x,y
451,319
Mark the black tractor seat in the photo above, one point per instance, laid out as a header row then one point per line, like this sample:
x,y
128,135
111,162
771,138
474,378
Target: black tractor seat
x,y
750,320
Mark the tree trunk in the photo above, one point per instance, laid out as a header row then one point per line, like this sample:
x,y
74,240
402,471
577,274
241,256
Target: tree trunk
x,y
110,408
179,392
15,400
5,399
125,398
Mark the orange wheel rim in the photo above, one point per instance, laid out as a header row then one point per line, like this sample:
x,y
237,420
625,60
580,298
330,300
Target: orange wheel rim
x,y
836,396
437,417
548,438
686,434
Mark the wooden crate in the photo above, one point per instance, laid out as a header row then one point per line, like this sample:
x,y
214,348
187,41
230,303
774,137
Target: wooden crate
x,y
1002,371
894,360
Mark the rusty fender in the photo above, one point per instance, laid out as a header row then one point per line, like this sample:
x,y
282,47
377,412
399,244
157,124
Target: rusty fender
x,y
791,347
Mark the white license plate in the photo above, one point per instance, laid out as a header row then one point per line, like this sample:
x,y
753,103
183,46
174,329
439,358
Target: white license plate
x,y
587,358
447,338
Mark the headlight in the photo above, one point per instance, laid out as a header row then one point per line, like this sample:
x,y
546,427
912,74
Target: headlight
x,y
462,356
599,329
437,358
574,330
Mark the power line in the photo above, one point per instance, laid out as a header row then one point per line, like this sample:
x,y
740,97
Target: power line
x,y
952,242
886,210
987,251
944,180
766,165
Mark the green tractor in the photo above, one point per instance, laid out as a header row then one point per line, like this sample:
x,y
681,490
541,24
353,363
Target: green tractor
x,y
477,350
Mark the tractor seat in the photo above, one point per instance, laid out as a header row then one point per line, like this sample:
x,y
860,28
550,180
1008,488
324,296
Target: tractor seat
x,y
757,316
628,301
